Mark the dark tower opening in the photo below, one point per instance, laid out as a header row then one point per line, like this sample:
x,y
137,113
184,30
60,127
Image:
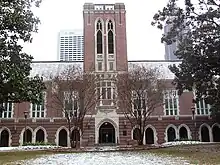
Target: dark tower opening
x,y
40,136
149,135
171,134
205,134
4,139
63,138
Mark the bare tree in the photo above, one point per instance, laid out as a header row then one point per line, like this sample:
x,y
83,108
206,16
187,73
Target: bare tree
x,y
140,93
72,92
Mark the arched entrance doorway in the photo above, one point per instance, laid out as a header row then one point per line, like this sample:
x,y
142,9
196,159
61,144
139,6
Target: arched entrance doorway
x,y
149,136
171,134
4,139
27,134
216,133
183,133
205,134
107,133
63,138
40,137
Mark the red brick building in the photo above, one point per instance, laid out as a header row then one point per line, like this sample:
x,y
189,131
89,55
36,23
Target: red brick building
x,y
105,52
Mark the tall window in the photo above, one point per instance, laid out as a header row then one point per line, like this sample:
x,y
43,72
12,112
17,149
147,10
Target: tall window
x,y
6,110
171,101
110,38
139,103
38,110
71,103
99,37
202,108
106,90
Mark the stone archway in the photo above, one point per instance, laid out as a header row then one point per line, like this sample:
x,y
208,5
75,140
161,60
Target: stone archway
x,y
62,138
27,134
171,134
149,136
183,133
107,133
4,138
205,134
216,133
40,136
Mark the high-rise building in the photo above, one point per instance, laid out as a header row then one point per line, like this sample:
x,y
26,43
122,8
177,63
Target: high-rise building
x,y
70,45
170,49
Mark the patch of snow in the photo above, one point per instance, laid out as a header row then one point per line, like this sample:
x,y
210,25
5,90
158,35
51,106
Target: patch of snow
x,y
24,148
104,158
176,143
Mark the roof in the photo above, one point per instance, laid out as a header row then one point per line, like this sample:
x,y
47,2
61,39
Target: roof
x,y
48,68
52,68
161,65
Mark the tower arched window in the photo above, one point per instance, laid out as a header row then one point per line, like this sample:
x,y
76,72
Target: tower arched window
x,y
110,37
99,37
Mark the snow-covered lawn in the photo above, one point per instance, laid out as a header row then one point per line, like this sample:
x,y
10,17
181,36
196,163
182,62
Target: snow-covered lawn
x,y
105,148
177,143
24,148
105,158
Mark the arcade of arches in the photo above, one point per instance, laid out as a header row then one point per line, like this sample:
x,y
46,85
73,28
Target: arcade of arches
x,y
107,134
149,135
63,137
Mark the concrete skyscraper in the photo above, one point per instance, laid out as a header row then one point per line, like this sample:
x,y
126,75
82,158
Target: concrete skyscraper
x,y
70,45
170,49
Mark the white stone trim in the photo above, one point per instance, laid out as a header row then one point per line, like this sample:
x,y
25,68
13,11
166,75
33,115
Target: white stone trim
x,y
100,124
216,124
154,131
22,135
176,132
45,134
189,133
57,136
210,132
9,132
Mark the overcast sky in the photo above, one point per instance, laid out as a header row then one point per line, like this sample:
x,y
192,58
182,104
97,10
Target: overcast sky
x,y
143,40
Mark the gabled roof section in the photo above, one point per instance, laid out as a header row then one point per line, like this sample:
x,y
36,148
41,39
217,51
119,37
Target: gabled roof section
x,y
162,66
52,68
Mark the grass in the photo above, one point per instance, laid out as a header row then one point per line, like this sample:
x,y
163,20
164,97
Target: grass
x,y
196,154
9,157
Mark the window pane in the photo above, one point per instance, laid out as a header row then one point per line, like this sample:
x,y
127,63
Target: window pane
x,y
108,93
99,42
99,66
110,42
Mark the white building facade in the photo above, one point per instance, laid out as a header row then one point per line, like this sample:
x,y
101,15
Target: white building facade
x,y
70,45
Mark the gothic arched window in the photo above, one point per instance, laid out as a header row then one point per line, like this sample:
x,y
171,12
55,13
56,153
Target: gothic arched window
x,y
110,38
99,37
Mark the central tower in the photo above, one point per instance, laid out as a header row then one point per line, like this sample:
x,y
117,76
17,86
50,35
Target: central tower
x,y
105,47
105,53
